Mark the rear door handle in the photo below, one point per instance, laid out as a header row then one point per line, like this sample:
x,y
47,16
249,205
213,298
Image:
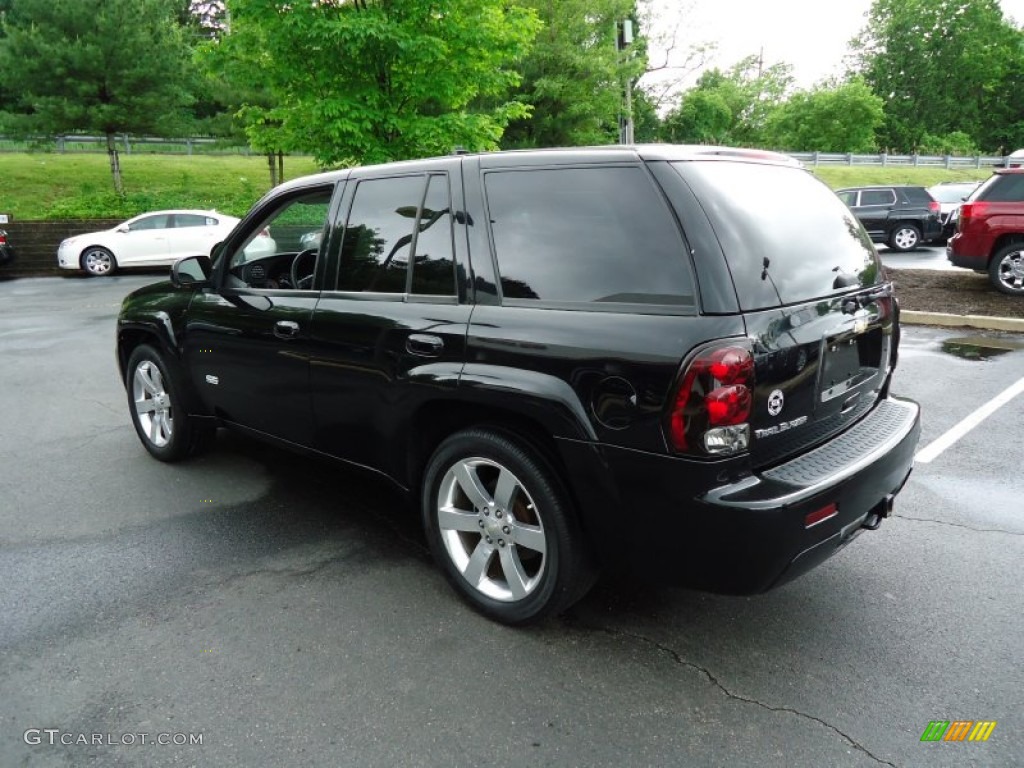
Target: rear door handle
x,y
286,329
424,344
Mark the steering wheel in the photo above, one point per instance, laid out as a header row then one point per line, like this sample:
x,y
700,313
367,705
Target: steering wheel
x,y
304,282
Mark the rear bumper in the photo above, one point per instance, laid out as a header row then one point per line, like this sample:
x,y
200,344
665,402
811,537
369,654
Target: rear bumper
x,y
650,517
960,253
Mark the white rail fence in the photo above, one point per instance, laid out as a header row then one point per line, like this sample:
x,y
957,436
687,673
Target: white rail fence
x,y
208,145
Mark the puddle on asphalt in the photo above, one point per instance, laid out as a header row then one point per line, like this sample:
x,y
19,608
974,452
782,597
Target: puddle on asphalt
x,y
980,347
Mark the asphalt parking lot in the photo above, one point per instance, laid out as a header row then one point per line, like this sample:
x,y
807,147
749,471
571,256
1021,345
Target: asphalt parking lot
x,y
284,611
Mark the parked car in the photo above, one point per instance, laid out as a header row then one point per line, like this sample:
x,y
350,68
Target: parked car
x,y
155,239
989,233
668,361
6,250
949,195
902,217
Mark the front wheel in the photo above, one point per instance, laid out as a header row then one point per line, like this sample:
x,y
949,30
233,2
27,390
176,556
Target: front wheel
x,y
1006,270
501,528
158,413
98,262
905,237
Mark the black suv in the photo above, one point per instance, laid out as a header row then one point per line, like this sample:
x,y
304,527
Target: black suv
x,y
665,361
900,217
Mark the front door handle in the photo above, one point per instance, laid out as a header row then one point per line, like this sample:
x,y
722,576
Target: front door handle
x,y
286,329
424,344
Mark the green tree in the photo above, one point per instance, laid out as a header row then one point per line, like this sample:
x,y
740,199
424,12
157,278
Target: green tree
x,y
377,80
575,76
101,66
730,107
837,117
941,66
703,117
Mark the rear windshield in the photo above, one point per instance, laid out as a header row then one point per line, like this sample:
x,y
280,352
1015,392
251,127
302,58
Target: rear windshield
x,y
1002,188
786,236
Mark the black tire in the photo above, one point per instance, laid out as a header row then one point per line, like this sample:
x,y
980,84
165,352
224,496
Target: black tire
x,y
904,237
1006,269
98,261
516,530
155,400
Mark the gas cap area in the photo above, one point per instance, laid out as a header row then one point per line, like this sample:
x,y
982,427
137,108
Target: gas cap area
x,y
614,403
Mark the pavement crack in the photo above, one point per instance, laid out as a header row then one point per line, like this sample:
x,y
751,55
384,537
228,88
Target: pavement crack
x,y
707,673
959,525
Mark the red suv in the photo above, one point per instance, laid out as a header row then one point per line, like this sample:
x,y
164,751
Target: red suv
x,y
990,231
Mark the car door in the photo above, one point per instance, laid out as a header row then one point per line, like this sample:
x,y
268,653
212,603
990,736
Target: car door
x,y
143,240
193,234
873,209
391,334
247,341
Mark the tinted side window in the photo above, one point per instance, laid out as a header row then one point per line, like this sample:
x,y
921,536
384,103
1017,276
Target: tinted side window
x,y
849,197
433,271
586,235
159,221
1004,189
877,197
378,238
917,195
190,220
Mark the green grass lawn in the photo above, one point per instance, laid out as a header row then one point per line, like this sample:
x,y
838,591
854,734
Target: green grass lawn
x,y
53,186
839,176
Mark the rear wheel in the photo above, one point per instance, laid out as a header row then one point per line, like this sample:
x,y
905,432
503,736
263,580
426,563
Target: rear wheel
x,y
98,262
905,237
1006,269
158,413
501,528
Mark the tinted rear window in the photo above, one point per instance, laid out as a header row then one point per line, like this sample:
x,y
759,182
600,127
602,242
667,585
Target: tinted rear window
x,y
786,236
586,235
1003,188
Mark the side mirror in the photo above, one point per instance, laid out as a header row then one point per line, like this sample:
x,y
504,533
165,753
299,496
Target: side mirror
x,y
193,271
123,228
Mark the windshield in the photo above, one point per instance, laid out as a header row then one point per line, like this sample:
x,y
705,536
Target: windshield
x,y
786,236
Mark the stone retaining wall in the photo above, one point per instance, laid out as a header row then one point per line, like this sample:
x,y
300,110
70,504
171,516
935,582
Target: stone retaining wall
x,y
35,242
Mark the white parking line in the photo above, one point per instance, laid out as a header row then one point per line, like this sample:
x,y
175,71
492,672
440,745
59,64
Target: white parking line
x,y
933,449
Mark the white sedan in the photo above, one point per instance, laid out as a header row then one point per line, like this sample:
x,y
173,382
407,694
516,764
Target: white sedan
x,y
155,239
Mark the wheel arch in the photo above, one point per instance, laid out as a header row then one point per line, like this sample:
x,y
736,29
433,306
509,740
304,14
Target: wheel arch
x,y
1004,240
160,335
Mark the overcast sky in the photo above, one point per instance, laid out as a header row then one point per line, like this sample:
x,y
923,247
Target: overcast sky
x,y
809,34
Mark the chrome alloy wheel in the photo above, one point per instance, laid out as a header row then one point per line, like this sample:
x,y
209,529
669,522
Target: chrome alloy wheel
x,y
98,262
491,529
152,404
1010,271
905,238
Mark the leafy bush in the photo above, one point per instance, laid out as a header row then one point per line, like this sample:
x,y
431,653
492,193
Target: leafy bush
x,y
956,143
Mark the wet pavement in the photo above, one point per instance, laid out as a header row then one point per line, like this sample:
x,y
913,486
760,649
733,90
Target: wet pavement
x,y
285,610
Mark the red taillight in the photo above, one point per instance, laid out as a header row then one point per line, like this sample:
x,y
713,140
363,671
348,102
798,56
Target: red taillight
x,y
712,403
934,207
970,210
3,238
